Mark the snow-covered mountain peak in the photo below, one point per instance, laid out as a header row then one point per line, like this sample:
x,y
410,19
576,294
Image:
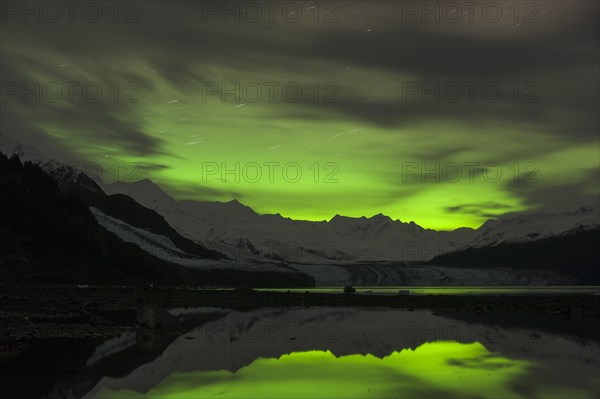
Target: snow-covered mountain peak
x,y
64,173
341,238
535,226
24,151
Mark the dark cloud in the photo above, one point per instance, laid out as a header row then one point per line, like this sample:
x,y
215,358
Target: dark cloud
x,y
482,362
399,113
570,196
172,44
484,209
150,167
443,55
193,191
96,114
404,49
101,124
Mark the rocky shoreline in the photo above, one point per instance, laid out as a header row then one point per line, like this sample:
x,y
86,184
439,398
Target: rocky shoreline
x,y
100,312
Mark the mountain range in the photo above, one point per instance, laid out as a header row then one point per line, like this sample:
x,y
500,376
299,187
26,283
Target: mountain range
x,y
342,238
231,236
53,230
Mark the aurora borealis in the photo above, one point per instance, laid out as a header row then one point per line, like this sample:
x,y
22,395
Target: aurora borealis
x,y
399,115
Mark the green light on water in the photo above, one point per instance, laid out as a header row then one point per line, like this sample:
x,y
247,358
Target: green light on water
x,y
436,369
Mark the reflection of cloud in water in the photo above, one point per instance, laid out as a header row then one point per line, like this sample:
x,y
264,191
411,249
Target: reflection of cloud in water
x,y
345,352
488,361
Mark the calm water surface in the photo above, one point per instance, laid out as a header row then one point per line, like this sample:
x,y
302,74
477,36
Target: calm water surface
x,y
513,290
359,353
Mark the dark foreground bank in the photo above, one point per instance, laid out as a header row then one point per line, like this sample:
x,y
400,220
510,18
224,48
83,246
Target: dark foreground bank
x,y
70,311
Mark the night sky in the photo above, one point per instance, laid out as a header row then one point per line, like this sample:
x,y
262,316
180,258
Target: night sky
x,y
367,128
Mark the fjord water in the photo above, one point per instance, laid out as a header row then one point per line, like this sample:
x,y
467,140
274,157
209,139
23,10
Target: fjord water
x,y
364,353
454,290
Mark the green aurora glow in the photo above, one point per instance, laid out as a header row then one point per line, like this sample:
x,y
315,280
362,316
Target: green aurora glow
x,y
369,134
433,370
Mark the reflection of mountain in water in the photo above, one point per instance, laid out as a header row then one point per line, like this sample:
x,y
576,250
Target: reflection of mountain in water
x,y
321,374
234,342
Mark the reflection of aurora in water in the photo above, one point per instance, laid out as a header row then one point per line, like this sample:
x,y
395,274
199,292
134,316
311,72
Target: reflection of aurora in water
x,y
435,369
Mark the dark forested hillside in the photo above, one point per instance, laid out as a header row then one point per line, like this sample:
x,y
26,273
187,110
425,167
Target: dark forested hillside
x,y
573,254
50,236
122,207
